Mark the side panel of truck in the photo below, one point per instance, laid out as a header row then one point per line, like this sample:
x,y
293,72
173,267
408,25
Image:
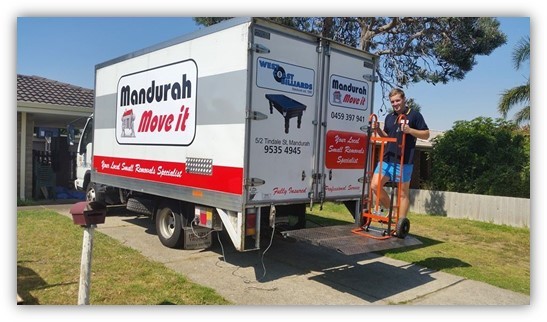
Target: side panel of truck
x,y
171,122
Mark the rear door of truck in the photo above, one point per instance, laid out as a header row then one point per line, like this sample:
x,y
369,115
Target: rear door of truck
x,y
349,92
283,115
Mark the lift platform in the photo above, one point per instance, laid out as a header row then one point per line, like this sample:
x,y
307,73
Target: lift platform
x,y
342,239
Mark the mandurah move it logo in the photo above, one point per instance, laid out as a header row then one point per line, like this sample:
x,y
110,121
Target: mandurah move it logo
x,y
272,74
158,106
347,92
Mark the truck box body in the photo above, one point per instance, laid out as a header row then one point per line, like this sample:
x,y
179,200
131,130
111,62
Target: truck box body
x,y
184,119
243,114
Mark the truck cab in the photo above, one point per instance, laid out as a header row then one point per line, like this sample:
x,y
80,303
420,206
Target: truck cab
x,y
84,157
84,162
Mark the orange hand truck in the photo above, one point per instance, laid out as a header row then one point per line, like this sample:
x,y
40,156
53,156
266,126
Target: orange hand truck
x,y
370,211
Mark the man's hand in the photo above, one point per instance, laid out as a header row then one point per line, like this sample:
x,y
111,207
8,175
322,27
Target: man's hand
x,y
420,134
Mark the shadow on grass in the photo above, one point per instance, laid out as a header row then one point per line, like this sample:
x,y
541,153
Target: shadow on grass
x,y
442,263
27,281
433,263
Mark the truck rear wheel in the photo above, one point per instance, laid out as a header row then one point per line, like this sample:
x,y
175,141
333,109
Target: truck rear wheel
x,y
169,227
140,206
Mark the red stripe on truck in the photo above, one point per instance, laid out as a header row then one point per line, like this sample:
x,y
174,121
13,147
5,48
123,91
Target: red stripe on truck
x,y
223,179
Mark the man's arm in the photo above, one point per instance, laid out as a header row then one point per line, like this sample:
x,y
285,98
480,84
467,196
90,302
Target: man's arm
x,y
420,134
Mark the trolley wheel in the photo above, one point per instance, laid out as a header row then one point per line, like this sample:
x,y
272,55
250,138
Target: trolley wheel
x,y
403,227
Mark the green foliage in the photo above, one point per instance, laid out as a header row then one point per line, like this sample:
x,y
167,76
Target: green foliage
x,y
208,21
519,94
411,49
482,156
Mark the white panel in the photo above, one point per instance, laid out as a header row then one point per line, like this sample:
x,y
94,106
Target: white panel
x,y
220,52
222,143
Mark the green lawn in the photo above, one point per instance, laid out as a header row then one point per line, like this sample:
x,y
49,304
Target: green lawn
x,y
495,254
48,268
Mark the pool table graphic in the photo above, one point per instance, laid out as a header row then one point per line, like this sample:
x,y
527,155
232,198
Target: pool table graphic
x,y
288,107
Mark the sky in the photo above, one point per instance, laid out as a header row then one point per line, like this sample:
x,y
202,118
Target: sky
x,y
67,49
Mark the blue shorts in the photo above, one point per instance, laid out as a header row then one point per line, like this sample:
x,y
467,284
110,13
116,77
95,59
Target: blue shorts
x,y
392,170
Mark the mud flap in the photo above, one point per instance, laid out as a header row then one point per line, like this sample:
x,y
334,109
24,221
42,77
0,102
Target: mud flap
x,y
341,239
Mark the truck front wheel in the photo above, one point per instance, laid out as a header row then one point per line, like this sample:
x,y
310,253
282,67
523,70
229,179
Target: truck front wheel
x,y
92,194
169,227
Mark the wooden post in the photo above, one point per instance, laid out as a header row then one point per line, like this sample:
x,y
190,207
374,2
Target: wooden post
x,y
85,267
87,215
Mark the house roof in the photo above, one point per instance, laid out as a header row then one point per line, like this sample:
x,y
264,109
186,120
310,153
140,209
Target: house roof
x,y
42,90
429,142
425,144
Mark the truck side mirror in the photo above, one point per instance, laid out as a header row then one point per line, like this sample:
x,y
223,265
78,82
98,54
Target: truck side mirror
x,y
70,134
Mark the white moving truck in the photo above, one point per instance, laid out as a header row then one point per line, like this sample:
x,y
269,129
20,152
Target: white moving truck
x,y
238,126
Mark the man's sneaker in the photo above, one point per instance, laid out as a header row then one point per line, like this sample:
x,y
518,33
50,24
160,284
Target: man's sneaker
x,y
382,212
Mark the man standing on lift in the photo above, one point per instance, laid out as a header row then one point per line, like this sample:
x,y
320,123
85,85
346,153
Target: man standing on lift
x,y
414,127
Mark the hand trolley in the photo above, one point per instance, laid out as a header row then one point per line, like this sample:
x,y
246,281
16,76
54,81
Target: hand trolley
x,y
370,211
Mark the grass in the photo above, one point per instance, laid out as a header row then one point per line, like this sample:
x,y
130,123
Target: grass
x,y
48,268
28,202
495,254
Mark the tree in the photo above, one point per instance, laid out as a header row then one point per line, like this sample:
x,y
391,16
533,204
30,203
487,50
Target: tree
x,y
482,156
519,94
411,49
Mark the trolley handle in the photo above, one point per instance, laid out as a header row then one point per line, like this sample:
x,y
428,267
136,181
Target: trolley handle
x,y
373,121
401,120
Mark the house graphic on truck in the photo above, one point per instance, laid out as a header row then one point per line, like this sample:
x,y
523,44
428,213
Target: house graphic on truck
x,y
128,121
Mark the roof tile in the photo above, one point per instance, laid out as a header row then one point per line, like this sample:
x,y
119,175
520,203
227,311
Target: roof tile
x,y
42,90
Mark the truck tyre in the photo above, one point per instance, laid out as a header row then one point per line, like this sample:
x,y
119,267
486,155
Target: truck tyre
x,y
169,227
112,197
298,214
92,194
124,195
300,221
140,206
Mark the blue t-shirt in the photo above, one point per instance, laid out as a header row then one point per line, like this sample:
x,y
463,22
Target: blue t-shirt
x,y
392,152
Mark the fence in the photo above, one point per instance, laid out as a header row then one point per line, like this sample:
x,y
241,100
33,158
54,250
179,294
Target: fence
x,y
495,209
